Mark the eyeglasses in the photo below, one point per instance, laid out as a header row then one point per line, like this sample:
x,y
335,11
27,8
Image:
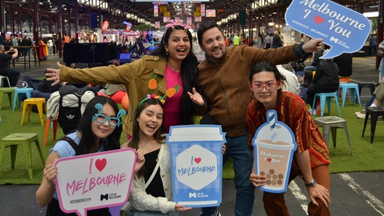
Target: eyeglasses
x,y
269,86
112,121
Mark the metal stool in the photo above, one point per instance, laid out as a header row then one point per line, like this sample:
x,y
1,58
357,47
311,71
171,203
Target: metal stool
x,y
330,124
47,125
18,92
326,96
370,85
353,87
375,112
10,92
1,81
39,102
25,140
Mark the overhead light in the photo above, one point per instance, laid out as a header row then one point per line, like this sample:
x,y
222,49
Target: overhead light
x,y
371,14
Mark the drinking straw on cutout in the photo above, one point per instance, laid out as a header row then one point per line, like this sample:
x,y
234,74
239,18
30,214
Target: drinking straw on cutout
x,y
272,125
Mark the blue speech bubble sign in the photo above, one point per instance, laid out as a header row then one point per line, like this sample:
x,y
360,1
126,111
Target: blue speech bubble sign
x,y
343,29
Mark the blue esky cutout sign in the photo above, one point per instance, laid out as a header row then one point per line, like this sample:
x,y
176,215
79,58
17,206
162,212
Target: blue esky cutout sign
x,y
343,29
196,164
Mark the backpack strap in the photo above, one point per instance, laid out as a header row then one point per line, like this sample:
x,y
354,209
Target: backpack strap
x,y
72,143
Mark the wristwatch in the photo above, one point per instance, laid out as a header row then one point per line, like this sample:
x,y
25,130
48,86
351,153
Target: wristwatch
x,y
313,183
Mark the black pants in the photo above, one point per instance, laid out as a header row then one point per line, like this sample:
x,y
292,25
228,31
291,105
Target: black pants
x,y
12,75
53,209
313,89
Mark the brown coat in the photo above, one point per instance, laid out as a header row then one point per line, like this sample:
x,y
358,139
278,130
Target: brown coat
x,y
225,84
134,76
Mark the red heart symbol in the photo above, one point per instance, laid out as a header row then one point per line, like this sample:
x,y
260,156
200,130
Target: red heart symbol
x,y
269,159
318,19
197,160
100,164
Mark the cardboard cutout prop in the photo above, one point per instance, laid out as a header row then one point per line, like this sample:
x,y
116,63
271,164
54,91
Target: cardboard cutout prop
x,y
274,147
196,164
343,29
93,181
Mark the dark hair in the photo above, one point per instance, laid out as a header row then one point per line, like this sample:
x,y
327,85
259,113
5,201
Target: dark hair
x,y
204,27
189,73
87,137
308,78
134,143
265,66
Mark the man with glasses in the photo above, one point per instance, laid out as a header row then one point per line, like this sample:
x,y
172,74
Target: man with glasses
x,y
223,76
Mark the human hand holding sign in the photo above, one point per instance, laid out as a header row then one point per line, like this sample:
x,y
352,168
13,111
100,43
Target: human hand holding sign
x,y
343,29
93,181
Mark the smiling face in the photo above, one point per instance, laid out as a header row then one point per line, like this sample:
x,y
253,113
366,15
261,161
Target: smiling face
x,y
265,87
213,44
150,120
178,45
102,130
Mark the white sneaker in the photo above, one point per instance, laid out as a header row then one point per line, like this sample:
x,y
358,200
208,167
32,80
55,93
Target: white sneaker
x,y
360,112
361,116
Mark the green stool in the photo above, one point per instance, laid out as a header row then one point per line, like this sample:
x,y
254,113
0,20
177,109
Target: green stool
x,y
10,92
24,139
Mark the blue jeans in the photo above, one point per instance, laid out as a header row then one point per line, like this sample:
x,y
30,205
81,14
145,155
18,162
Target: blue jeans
x,y
241,154
381,69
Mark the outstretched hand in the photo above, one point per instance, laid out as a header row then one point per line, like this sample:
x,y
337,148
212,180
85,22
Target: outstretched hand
x,y
196,97
180,208
313,45
53,74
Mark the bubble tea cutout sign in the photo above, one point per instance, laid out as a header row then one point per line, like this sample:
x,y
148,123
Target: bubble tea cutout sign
x,y
274,147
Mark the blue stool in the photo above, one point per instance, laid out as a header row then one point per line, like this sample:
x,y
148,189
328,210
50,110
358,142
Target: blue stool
x,y
353,87
328,96
26,91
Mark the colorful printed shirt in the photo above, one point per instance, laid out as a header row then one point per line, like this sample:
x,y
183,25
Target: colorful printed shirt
x,y
292,111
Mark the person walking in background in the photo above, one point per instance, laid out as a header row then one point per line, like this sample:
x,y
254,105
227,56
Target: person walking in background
x,y
326,79
221,75
372,45
151,190
276,40
268,41
5,68
236,40
99,130
311,159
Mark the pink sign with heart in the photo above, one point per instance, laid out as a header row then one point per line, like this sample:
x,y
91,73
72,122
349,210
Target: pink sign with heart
x,y
94,181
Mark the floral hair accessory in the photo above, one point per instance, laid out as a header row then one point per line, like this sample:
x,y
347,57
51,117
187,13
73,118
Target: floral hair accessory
x,y
152,84
99,117
172,25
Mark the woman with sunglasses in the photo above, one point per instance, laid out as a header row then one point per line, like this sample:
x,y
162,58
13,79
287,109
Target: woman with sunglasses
x,y
99,130
311,159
